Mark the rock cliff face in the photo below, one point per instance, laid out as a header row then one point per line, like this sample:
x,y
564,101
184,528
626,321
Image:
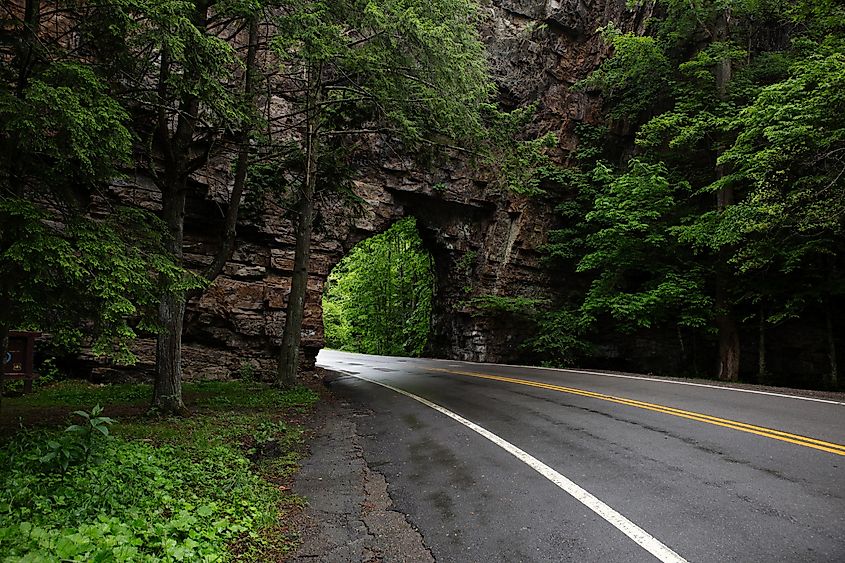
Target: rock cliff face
x,y
484,241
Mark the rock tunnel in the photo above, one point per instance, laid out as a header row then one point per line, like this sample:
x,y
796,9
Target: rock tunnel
x,y
480,246
484,240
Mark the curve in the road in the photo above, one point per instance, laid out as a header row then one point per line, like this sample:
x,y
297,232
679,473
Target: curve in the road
x,y
645,540
796,439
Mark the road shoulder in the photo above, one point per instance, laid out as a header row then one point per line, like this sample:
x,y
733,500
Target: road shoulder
x,y
349,516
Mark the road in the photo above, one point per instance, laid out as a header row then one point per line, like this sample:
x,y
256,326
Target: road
x,y
504,463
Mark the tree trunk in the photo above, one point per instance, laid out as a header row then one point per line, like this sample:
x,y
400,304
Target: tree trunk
x,y
762,368
177,149
292,334
167,395
728,339
681,346
167,392
833,377
725,322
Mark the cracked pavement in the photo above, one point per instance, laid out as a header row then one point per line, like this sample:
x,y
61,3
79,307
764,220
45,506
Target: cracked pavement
x,y
349,515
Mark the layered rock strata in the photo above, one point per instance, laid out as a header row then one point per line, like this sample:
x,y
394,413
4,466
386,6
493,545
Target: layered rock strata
x,y
483,241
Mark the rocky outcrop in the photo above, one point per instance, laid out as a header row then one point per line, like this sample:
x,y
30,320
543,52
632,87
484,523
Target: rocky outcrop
x,y
484,241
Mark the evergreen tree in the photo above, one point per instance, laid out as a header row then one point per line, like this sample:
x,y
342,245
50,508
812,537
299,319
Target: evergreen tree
x,y
192,97
63,136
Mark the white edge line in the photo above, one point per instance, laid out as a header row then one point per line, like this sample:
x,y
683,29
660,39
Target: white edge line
x,y
634,532
654,379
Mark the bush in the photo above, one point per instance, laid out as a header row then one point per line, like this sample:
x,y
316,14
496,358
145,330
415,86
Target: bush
x,y
132,501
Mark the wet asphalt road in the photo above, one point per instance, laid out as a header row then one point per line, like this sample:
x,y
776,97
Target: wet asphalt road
x,y
704,488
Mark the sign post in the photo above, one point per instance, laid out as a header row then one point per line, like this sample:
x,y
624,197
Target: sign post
x,y
19,362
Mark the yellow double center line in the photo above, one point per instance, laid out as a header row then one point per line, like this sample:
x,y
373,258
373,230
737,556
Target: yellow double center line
x,y
797,439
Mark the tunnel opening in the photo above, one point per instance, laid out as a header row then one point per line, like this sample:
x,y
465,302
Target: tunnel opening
x,y
378,298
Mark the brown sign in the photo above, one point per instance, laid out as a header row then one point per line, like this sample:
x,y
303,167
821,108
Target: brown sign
x,y
19,358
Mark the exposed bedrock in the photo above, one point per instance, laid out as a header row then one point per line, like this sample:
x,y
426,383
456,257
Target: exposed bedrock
x,y
484,241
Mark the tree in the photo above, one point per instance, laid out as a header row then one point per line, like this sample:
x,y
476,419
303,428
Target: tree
x,y
743,115
644,278
62,137
791,152
189,103
408,71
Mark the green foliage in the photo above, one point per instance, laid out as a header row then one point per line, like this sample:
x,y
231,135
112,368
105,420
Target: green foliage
x,y
492,305
414,68
634,81
522,162
140,503
789,152
560,338
467,261
378,298
62,129
106,271
64,135
76,444
154,489
737,100
577,188
199,65
644,276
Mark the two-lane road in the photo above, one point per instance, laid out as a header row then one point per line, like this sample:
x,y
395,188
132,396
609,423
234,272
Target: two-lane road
x,y
503,463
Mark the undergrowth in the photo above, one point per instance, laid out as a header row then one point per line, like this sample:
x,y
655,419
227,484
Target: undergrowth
x,y
206,488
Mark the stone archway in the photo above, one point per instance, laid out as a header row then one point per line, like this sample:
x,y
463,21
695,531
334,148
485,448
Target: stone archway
x,y
482,243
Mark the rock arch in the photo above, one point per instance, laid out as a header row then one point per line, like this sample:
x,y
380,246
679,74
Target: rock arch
x,y
482,242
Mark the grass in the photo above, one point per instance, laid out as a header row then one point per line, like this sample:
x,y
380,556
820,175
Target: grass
x,y
204,394
210,487
77,393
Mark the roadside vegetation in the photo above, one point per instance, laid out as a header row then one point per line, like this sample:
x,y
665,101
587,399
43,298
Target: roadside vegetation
x,y
114,484
378,298
94,94
706,210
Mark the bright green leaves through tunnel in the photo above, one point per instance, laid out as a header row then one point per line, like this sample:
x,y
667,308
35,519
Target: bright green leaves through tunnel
x,y
378,298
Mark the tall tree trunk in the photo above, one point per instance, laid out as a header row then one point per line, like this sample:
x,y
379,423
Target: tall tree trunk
x,y
729,347
728,338
177,148
167,394
762,368
167,391
292,334
833,376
